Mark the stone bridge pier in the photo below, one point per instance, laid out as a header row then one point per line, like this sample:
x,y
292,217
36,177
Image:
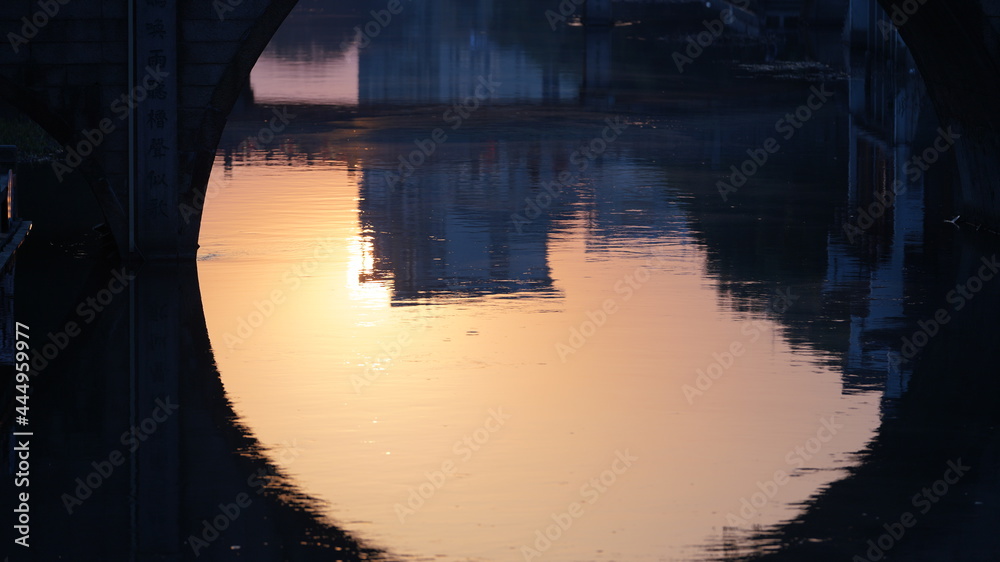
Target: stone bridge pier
x,y
137,92
956,45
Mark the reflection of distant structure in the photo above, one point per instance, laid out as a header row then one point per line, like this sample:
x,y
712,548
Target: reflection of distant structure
x,y
629,202
312,74
806,28
597,13
792,14
401,65
435,52
884,105
597,70
434,234
448,228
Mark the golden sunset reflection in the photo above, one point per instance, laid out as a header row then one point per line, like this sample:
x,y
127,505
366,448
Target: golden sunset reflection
x,y
381,399
365,290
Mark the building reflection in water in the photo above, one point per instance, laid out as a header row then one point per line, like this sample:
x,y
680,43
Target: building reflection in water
x,y
884,106
449,231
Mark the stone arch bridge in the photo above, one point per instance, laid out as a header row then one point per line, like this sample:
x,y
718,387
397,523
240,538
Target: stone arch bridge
x,y
138,91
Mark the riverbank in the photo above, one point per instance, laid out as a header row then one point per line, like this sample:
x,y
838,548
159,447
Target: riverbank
x,y
33,143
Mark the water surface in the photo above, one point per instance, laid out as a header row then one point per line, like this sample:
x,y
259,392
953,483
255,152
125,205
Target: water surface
x,y
413,310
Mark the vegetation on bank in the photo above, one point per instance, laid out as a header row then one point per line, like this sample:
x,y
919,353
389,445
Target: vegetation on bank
x,y
33,143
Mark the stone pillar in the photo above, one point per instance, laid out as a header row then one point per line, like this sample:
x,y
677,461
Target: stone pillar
x,y
157,318
153,208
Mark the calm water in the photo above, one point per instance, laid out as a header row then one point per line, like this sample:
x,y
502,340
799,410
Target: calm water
x,y
425,312
413,311
449,361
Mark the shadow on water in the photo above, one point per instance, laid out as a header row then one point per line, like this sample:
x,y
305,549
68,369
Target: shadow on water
x,y
920,298
925,487
137,453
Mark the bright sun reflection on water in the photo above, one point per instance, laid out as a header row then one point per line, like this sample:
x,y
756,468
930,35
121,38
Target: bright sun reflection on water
x,y
363,288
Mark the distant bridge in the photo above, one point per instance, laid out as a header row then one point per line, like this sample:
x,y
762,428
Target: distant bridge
x,y
139,92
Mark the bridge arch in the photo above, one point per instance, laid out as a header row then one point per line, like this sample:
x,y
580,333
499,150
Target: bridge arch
x,y
65,64
73,67
956,46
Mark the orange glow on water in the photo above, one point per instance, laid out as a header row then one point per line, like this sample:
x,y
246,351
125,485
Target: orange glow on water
x,y
386,401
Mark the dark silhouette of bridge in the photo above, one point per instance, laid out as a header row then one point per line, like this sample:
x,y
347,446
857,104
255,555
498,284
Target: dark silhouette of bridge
x,y
138,92
956,46
143,457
